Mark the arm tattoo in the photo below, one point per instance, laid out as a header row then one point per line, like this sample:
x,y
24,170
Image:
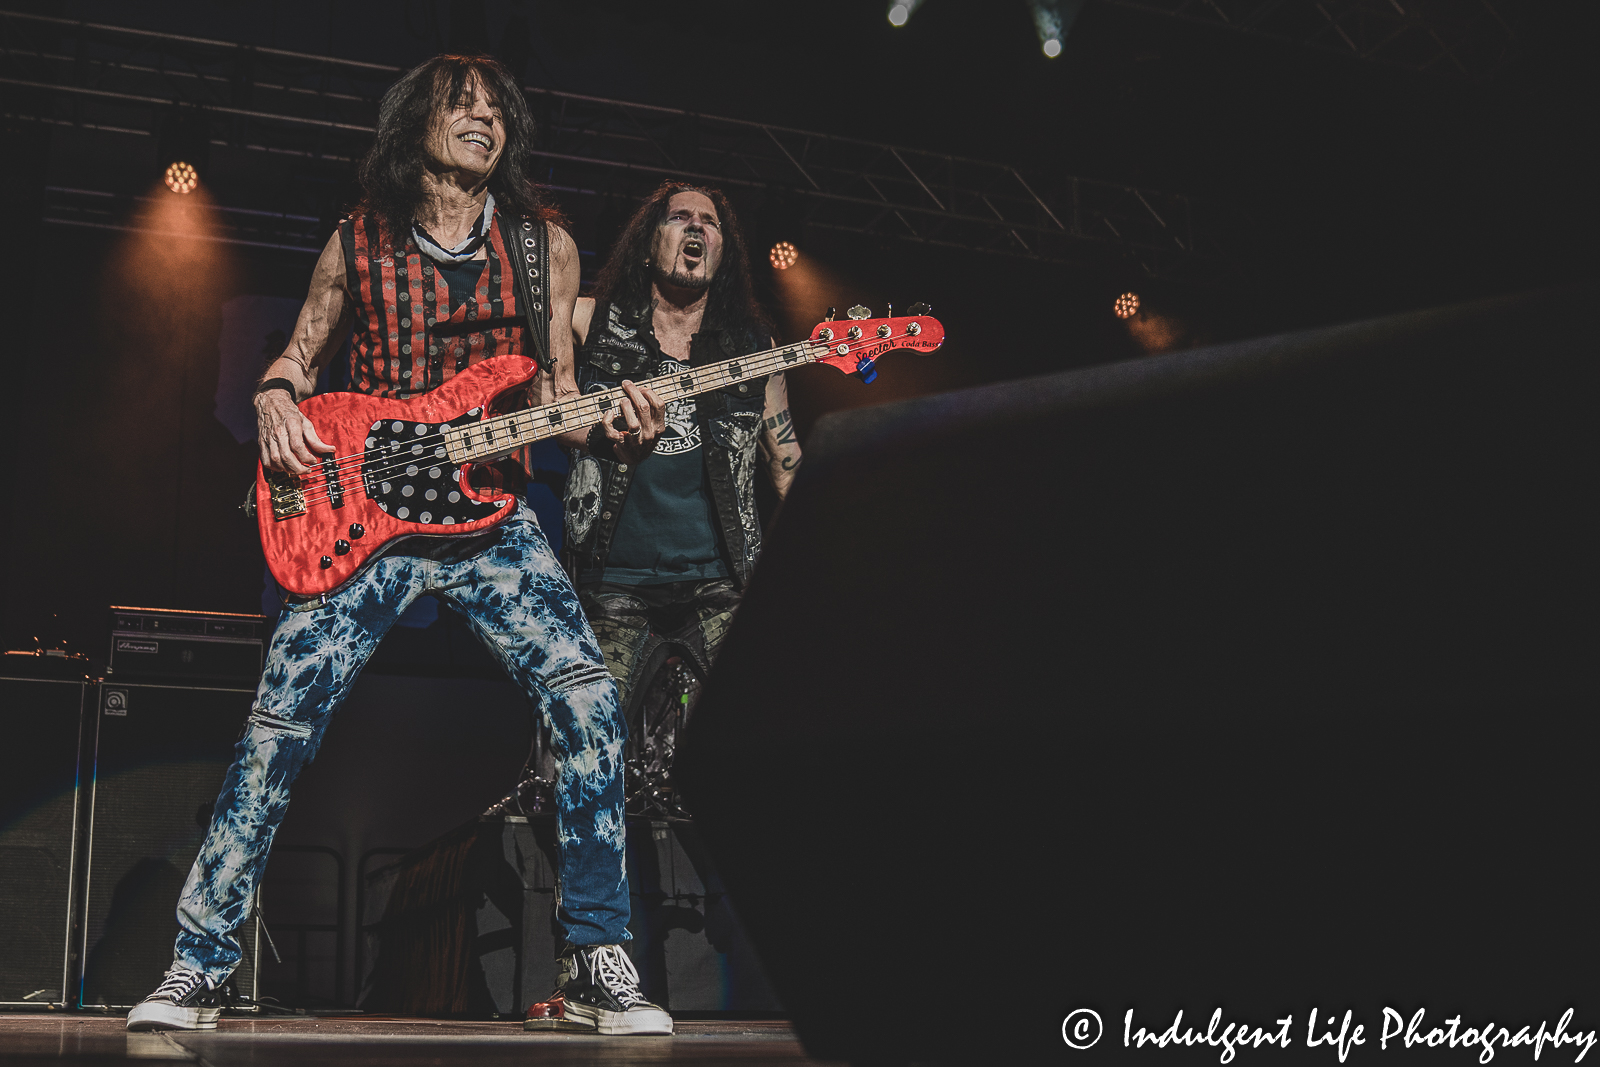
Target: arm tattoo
x,y
783,427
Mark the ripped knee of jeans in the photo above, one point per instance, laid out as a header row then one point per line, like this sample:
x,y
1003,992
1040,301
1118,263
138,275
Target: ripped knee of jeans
x,y
576,676
273,724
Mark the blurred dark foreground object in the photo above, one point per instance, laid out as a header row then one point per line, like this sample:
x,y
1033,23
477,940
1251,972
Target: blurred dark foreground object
x,y
1256,677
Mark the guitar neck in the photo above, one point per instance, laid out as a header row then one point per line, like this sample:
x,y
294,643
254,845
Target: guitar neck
x,y
491,438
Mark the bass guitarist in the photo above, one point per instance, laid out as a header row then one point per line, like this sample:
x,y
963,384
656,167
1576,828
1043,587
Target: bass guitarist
x,y
424,274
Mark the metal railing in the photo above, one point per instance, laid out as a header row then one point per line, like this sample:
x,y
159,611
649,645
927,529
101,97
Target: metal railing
x,y
321,110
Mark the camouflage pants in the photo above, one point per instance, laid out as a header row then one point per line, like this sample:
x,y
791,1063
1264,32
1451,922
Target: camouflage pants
x,y
515,595
630,620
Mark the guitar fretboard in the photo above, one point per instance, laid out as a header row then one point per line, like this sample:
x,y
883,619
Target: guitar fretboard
x,y
503,434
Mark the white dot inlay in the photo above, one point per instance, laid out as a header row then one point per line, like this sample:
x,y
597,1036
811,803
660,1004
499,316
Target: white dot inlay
x,y
426,516
411,470
431,494
407,490
403,513
384,488
397,427
454,498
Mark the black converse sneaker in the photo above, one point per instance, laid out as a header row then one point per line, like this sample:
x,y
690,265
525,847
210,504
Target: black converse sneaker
x,y
603,990
551,1014
185,1000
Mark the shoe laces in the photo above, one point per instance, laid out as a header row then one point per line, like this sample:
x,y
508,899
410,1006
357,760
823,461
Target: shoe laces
x,y
613,971
178,983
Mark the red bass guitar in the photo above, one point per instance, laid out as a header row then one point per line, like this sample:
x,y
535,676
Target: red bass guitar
x,y
400,466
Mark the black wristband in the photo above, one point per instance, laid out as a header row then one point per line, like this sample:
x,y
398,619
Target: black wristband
x,y
600,446
278,383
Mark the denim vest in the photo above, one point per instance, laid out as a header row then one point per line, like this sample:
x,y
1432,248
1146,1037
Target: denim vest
x,y
623,345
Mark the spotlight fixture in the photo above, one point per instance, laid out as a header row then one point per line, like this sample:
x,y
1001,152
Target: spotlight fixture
x,y
1126,306
1053,20
900,11
783,255
182,178
184,142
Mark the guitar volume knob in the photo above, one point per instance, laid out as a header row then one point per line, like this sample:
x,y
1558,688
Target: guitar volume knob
x,y
356,530
340,547
327,561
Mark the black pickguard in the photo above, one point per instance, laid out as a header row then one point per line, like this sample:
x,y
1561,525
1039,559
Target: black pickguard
x,y
408,475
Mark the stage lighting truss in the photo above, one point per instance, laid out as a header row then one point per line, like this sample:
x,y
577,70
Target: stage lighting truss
x,y
320,112
182,178
1126,306
783,255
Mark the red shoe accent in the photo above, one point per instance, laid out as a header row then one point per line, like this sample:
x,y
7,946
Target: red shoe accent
x,y
552,1015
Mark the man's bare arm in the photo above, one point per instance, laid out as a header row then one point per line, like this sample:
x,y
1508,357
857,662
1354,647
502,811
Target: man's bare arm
x,y
779,445
644,413
287,439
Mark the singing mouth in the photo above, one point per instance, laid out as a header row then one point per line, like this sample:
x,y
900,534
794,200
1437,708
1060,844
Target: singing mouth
x,y
693,249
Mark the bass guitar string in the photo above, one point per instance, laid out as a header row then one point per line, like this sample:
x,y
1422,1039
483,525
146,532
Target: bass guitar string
x,y
313,482
349,463
761,362
316,491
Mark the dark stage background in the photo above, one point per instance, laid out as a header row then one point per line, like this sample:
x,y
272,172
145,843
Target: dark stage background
x,y
1341,188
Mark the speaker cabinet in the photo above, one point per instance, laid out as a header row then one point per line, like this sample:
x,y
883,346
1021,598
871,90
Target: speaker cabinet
x,y
39,807
159,759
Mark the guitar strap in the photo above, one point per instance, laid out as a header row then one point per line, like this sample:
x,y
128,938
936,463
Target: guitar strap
x,y
527,244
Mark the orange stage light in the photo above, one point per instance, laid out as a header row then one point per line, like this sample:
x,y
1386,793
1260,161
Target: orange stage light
x,y
783,255
182,178
1127,306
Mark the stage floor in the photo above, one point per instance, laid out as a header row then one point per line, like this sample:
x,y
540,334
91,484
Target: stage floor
x,y
57,1039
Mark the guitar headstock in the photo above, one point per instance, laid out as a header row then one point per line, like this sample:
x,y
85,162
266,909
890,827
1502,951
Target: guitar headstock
x,y
853,345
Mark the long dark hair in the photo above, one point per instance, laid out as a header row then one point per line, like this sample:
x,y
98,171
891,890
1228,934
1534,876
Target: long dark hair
x,y
625,279
391,173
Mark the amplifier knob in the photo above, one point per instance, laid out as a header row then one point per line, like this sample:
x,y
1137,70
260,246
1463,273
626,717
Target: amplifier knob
x,y
356,530
327,561
340,547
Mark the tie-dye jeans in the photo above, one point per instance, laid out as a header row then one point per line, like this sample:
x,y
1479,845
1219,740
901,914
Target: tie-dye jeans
x,y
516,596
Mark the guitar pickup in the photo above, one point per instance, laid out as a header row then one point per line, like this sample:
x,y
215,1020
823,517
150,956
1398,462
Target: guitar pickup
x,y
556,417
735,371
330,471
288,498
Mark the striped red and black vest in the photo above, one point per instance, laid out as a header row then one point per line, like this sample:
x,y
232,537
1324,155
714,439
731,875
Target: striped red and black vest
x,y
407,341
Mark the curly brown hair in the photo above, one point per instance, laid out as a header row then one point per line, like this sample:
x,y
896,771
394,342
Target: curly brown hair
x,y
391,172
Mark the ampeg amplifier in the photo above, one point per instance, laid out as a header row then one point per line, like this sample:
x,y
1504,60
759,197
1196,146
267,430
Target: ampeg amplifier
x,y
185,647
41,714
160,755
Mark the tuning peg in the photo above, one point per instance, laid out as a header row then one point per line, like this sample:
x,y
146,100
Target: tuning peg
x,y
833,313
918,309
890,313
859,312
